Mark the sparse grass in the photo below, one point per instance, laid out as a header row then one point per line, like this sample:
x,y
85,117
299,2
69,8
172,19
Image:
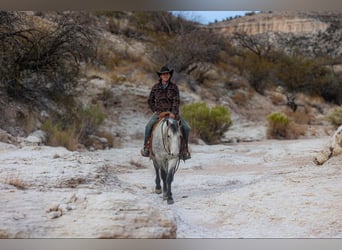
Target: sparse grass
x,y
240,98
72,182
27,120
277,98
299,117
137,165
115,78
83,123
57,136
295,130
112,142
16,182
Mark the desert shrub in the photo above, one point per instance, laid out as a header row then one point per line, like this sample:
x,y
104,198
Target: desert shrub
x,y
75,128
300,117
278,124
295,130
335,117
89,119
57,136
209,124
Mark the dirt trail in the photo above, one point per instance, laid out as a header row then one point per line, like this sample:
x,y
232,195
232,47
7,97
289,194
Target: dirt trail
x,y
266,189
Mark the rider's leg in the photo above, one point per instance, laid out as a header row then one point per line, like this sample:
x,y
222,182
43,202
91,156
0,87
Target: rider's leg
x,y
148,129
186,129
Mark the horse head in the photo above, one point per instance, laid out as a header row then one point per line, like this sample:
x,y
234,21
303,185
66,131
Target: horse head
x,y
172,137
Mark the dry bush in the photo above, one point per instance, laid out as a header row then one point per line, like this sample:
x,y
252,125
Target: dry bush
x,y
299,117
115,78
240,98
75,127
295,130
185,55
277,98
112,141
16,182
57,136
37,62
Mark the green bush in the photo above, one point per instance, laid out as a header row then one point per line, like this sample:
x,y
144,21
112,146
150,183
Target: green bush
x,y
278,124
335,117
207,124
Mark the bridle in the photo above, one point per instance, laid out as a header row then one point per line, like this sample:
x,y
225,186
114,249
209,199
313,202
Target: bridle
x,y
166,144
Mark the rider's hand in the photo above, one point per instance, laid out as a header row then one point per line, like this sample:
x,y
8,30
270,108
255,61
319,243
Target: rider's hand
x,y
172,115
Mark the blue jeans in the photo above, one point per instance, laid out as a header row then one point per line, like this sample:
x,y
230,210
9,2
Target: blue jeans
x,y
154,119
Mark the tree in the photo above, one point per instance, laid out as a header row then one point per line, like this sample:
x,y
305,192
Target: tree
x,y
40,60
260,45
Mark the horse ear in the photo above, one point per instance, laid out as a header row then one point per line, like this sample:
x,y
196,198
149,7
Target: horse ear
x,y
179,123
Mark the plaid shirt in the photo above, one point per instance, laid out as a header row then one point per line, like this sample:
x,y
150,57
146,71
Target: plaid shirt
x,y
162,100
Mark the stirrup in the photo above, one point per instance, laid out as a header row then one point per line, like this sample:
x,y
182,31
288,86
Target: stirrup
x,y
145,152
186,156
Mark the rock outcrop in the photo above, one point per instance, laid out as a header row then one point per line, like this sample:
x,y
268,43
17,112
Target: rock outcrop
x,y
334,148
282,22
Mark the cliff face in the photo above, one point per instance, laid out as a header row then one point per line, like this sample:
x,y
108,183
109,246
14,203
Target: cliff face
x,y
282,22
315,33
274,24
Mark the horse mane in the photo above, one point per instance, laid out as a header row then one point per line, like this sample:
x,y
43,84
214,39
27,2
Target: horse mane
x,y
173,125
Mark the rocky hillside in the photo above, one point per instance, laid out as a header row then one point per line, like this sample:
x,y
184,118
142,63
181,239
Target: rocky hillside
x,y
124,70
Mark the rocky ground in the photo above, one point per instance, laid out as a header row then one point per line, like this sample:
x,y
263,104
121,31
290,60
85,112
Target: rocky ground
x,y
260,189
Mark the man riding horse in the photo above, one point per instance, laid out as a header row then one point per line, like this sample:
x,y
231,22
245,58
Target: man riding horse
x,y
164,97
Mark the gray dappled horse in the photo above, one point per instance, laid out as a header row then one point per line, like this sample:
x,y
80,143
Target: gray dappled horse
x,y
166,143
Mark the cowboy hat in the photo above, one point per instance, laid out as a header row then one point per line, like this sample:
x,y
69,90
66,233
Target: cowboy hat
x,y
165,69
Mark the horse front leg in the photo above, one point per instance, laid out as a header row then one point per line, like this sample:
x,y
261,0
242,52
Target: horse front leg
x,y
163,176
169,179
158,189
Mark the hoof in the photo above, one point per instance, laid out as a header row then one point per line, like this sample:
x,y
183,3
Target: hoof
x,y
158,191
170,201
